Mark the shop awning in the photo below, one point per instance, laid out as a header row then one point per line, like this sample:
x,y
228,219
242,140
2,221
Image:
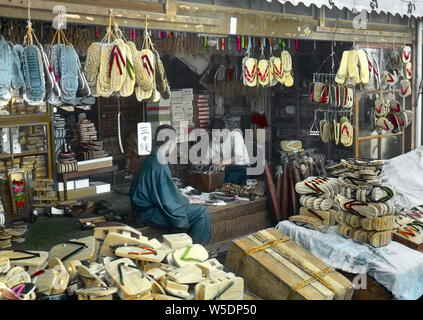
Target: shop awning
x,y
402,7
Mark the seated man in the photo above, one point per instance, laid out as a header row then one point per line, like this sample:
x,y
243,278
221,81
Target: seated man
x,y
158,202
230,150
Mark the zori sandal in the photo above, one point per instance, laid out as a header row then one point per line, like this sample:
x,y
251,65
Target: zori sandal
x,y
379,223
26,291
4,265
357,207
7,293
353,71
406,54
380,239
346,231
381,194
309,222
15,276
389,79
342,73
129,278
385,124
226,287
190,255
263,72
408,71
405,88
364,66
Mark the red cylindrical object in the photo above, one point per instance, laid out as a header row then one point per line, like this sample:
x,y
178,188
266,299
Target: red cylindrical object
x,y
272,191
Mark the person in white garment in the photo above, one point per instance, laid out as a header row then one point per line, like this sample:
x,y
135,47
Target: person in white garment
x,y
228,152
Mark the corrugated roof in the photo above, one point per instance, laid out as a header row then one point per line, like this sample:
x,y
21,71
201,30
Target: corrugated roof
x,y
410,8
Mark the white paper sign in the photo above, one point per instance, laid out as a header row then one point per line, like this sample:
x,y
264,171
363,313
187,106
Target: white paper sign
x,y
144,138
232,25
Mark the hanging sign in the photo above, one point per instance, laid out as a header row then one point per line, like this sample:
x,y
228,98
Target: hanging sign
x,y
144,138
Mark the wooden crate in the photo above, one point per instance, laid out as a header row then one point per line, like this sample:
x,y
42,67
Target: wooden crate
x,y
284,270
206,182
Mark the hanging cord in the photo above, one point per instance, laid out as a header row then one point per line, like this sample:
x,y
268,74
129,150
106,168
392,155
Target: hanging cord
x,y
119,128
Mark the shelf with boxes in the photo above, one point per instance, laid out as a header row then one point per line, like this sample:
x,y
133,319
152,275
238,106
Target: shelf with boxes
x,y
26,143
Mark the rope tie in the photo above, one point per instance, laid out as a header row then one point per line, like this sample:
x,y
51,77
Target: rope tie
x,y
316,276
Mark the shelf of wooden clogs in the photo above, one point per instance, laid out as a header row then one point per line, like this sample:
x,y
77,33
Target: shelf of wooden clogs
x,y
31,119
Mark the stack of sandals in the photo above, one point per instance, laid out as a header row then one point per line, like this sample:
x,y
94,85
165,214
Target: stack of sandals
x,y
117,262
338,96
338,131
114,66
366,215
317,202
354,68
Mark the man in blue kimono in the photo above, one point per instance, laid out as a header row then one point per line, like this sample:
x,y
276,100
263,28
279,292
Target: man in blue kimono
x,y
158,202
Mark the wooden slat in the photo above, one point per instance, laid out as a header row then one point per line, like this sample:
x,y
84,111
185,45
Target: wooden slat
x,y
210,19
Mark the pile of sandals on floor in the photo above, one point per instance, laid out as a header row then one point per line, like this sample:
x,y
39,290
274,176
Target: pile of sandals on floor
x,y
267,73
11,234
354,198
117,262
114,66
36,72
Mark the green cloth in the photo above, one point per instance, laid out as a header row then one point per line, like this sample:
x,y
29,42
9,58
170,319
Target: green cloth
x,y
157,201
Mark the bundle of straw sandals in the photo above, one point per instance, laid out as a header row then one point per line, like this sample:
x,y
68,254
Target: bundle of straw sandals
x,y
354,198
114,66
267,73
117,262
38,73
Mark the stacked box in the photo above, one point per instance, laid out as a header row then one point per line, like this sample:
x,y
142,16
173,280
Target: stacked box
x,y
182,111
158,113
201,110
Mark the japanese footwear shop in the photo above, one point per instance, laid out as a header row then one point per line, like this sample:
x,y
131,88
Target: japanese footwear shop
x,y
211,150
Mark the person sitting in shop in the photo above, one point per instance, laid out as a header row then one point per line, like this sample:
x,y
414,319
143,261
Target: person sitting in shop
x,y
158,202
231,151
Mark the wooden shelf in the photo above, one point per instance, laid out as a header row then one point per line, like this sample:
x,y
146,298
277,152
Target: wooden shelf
x,y
380,136
23,154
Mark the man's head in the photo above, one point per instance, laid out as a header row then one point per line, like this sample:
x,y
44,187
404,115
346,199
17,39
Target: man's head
x,y
216,124
165,135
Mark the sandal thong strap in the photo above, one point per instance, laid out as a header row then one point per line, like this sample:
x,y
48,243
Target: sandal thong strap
x,y
82,246
185,258
31,255
221,292
123,264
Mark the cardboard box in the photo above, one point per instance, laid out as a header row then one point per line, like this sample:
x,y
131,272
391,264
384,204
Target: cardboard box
x,y
82,183
158,117
70,185
273,271
188,98
206,182
101,187
188,91
95,164
78,193
175,94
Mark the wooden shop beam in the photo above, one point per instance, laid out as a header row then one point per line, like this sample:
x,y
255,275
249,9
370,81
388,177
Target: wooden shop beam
x,y
208,19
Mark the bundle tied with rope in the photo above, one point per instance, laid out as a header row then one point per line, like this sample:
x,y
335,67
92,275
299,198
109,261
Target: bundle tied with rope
x,y
289,271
